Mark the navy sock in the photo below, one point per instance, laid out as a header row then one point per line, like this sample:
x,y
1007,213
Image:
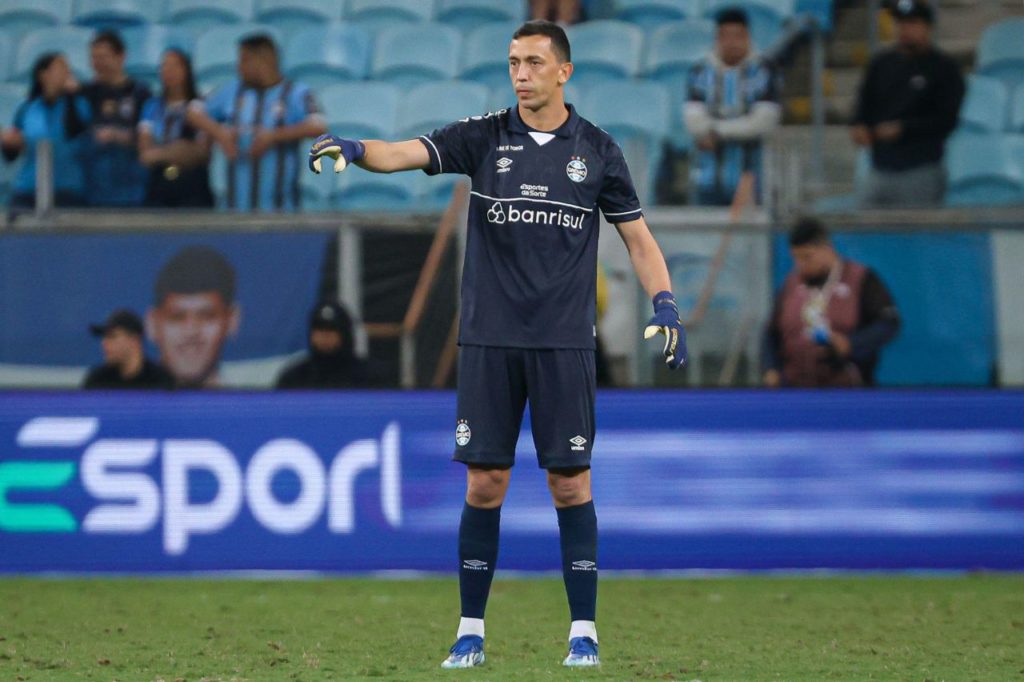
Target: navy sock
x,y
478,554
577,527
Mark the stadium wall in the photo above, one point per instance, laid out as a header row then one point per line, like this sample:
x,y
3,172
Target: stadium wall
x,y
356,482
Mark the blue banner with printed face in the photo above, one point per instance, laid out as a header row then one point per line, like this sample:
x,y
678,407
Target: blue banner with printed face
x,y
346,482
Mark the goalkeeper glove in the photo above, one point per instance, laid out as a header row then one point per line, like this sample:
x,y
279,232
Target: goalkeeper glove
x,y
342,150
666,321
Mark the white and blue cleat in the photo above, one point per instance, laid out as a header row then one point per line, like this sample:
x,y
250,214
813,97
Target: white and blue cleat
x,y
467,652
582,653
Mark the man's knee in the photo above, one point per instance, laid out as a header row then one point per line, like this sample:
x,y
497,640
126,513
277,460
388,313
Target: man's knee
x,y
486,487
569,487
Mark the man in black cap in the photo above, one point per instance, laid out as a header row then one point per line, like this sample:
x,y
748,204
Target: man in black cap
x,y
908,105
124,362
332,362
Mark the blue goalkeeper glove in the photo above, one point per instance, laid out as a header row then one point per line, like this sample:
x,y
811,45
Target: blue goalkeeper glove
x,y
666,321
342,150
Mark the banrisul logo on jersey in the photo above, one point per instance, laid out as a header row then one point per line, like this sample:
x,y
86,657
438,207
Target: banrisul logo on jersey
x,y
506,214
64,479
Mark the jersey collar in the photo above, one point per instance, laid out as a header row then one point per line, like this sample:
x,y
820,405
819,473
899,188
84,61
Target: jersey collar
x,y
567,129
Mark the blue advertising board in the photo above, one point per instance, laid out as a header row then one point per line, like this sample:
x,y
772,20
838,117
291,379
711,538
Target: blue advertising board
x,y
344,482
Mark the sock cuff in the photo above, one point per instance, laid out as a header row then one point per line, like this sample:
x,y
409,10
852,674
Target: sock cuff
x,y
477,516
575,513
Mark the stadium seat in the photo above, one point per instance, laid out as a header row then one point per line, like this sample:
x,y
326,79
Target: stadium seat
x,y
485,55
316,191
1017,110
985,105
292,16
322,55
411,55
983,170
360,190
435,105
6,56
116,13
435,191
1001,52
637,115
502,97
361,109
11,97
767,17
605,50
388,12
71,41
18,17
199,15
144,47
672,51
821,10
216,57
466,15
649,14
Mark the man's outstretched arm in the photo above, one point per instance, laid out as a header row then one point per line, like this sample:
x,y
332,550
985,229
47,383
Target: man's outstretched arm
x,y
372,155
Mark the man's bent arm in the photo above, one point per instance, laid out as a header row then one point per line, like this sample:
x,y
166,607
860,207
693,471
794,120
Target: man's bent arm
x,y
646,256
389,157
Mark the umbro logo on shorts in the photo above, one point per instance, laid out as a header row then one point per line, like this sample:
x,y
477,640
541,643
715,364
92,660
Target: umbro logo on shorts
x,y
577,443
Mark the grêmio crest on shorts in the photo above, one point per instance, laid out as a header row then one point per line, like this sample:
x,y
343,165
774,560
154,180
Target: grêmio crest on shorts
x,y
530,272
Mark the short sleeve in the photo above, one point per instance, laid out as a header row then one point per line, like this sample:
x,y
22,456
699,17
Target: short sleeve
x,y
459,147
696,91
148,117
302,104
84,109
219,105
617,200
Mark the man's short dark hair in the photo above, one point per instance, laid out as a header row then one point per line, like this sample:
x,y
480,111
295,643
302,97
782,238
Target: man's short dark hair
x,y
541,27
808,231
196,270
258,42
110,38
732,15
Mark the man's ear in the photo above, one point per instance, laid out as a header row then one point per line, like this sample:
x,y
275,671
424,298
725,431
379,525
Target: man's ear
x,y
565,73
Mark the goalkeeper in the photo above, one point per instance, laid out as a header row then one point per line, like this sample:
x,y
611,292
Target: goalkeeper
x,y
539,173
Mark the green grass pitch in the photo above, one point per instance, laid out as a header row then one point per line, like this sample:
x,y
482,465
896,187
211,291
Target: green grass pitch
x,y
884,627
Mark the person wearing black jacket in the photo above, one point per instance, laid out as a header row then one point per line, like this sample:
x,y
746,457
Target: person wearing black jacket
x,y
124,361
907,106
332,362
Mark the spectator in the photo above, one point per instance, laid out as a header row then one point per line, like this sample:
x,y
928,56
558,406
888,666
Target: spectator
x,y
115,178
906,108
50,113
193,315
124,362
563,12
332,362
176,154
831,317
259,120
732,106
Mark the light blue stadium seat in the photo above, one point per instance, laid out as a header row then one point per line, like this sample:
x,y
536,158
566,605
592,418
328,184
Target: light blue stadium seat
x,y
605,50
383,13
637,115
502,97
649,14
322,55
414,54
985,105
18,17
292,16
216,56
435,191
199,15
434,105
821,10
1001,52
361,109
145,46
485,55
7,46
360,190
767,17
1017,110
672,51
983,170
316,191
11,97
116,13
466,15
72,41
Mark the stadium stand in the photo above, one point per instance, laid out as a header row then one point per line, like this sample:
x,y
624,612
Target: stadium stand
x,y
650,14
362,110
605,50
414,54
469,14
481,61
434,105
145,45
1017,110
767,17
672,51
72,41
216,55
383,12
1001,52
323,55
18,17
376,191
115,13
7,47
291,16
984,170
985,106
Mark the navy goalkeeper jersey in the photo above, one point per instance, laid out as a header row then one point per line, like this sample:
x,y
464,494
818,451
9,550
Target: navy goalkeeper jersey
x,y
530,272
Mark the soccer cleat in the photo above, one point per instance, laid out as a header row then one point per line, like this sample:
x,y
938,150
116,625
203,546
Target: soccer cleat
x,y
467,652
582,653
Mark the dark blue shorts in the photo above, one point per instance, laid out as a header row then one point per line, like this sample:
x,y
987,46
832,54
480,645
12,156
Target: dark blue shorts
x,y
494,385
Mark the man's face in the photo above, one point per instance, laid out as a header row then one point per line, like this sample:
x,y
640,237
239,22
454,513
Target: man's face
x,y
325,341
536,71
813,261
914,33
732,43
190,330
106,64
120,347
256,67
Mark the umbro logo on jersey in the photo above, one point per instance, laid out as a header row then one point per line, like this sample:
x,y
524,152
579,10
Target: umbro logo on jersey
x,y
577,443
504,164
584,565
474,565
